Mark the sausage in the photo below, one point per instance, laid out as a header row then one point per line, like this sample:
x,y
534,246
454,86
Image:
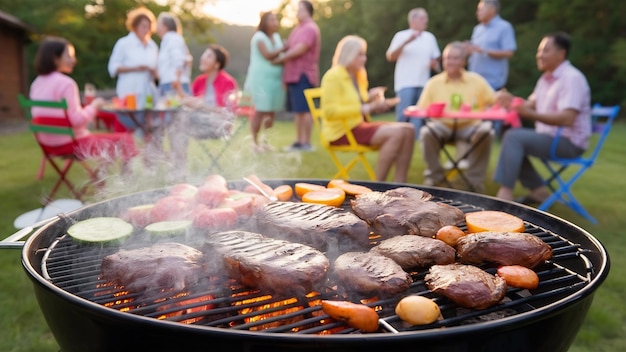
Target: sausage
x,y
358,316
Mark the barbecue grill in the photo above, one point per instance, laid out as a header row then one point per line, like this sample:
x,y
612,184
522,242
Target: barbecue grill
x,y
86,313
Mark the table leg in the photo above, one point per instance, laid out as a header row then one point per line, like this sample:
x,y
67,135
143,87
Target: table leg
x,y
455,163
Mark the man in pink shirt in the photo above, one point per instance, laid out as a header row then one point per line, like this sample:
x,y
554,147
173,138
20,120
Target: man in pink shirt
x,y
561,99
301,72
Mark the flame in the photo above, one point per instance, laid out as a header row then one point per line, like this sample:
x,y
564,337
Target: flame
x,y
109,288
377,308
259,310
185,302
265,309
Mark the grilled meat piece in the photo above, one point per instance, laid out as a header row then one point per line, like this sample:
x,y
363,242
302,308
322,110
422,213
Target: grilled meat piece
x,y
404,211
503,248
316,225
411,193
411,251
277,266
466,285
163,266
370,274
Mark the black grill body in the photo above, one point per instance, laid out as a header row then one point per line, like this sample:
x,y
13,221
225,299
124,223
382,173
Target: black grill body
x,y
86,313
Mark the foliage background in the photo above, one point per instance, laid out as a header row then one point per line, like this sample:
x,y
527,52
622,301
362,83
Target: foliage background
x,y
599,50
597,30
596,27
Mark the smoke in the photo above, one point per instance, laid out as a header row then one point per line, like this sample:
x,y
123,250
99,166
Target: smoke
x,y
159,164
147,176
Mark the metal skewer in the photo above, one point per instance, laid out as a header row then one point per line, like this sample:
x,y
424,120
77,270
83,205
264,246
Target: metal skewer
x,y
387,326
271,197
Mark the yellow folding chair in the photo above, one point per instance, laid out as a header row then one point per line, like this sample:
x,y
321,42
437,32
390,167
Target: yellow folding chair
x,y
313,98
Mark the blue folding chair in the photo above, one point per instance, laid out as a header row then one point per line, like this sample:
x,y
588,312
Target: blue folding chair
x,y
602,120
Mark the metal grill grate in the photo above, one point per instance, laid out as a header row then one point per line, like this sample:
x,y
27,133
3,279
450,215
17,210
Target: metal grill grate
x,y
222,302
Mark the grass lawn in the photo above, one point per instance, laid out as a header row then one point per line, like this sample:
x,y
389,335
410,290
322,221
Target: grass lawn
x,y
22,327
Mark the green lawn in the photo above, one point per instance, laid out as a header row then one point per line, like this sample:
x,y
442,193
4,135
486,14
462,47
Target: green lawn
x,y
22,328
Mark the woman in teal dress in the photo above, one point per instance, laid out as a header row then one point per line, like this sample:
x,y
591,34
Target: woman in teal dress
x,y
263,81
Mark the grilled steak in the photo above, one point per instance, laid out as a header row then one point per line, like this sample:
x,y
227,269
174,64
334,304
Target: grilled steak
x,y
466,285
316,225
503,248
411,251
404,211
370,274
163,266
272,265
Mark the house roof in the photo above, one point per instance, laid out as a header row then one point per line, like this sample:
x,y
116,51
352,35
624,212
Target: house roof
x,y
15,22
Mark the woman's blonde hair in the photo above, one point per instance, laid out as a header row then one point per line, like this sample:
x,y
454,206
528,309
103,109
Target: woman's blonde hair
x,y
348,48
134,16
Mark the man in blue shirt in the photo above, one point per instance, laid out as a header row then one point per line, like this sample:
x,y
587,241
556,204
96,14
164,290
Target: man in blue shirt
x,y
492,44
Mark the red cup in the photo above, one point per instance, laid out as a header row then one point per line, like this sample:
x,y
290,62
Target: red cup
x,y
517,101
436,109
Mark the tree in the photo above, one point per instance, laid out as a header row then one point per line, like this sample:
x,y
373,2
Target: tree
x,y
94,26
596,28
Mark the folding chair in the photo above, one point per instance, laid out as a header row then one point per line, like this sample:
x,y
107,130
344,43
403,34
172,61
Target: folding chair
x,y
54,155
602,120
219,125
313,98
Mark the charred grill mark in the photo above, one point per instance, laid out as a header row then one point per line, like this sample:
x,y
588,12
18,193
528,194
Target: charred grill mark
x,y
302,211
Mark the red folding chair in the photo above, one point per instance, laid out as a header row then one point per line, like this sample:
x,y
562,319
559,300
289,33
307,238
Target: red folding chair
x,y
60,158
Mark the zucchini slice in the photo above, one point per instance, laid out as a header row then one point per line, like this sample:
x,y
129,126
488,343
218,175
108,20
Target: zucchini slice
x,y
101,230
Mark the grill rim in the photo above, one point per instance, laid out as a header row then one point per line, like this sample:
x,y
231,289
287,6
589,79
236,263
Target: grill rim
x,y
33,253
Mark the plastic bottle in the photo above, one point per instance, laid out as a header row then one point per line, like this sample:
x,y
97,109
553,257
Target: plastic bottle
x,y
455,101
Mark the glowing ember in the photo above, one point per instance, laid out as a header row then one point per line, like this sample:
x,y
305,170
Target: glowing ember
x,y
253,313
195,304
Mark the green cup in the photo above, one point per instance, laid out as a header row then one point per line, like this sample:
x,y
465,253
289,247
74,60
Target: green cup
x,y
455,101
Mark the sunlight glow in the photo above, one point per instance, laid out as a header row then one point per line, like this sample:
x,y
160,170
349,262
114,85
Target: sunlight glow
x,y
240,12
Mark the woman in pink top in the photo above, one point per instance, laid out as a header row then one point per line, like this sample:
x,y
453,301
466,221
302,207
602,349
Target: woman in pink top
x,y
54,61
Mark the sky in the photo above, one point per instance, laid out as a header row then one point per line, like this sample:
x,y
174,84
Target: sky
x,y
241,12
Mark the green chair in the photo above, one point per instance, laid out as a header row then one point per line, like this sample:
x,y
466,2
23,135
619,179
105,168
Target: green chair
x,y
60,158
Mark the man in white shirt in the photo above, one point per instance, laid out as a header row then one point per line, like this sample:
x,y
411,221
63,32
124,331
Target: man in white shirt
x,y
415,52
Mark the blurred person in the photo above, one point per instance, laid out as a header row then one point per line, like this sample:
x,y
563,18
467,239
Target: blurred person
x,y
454,79
174,75
415,52
54,62
174,62
212,91
491,46
264,79
134,62
345,97
561,98
301,71
214,84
